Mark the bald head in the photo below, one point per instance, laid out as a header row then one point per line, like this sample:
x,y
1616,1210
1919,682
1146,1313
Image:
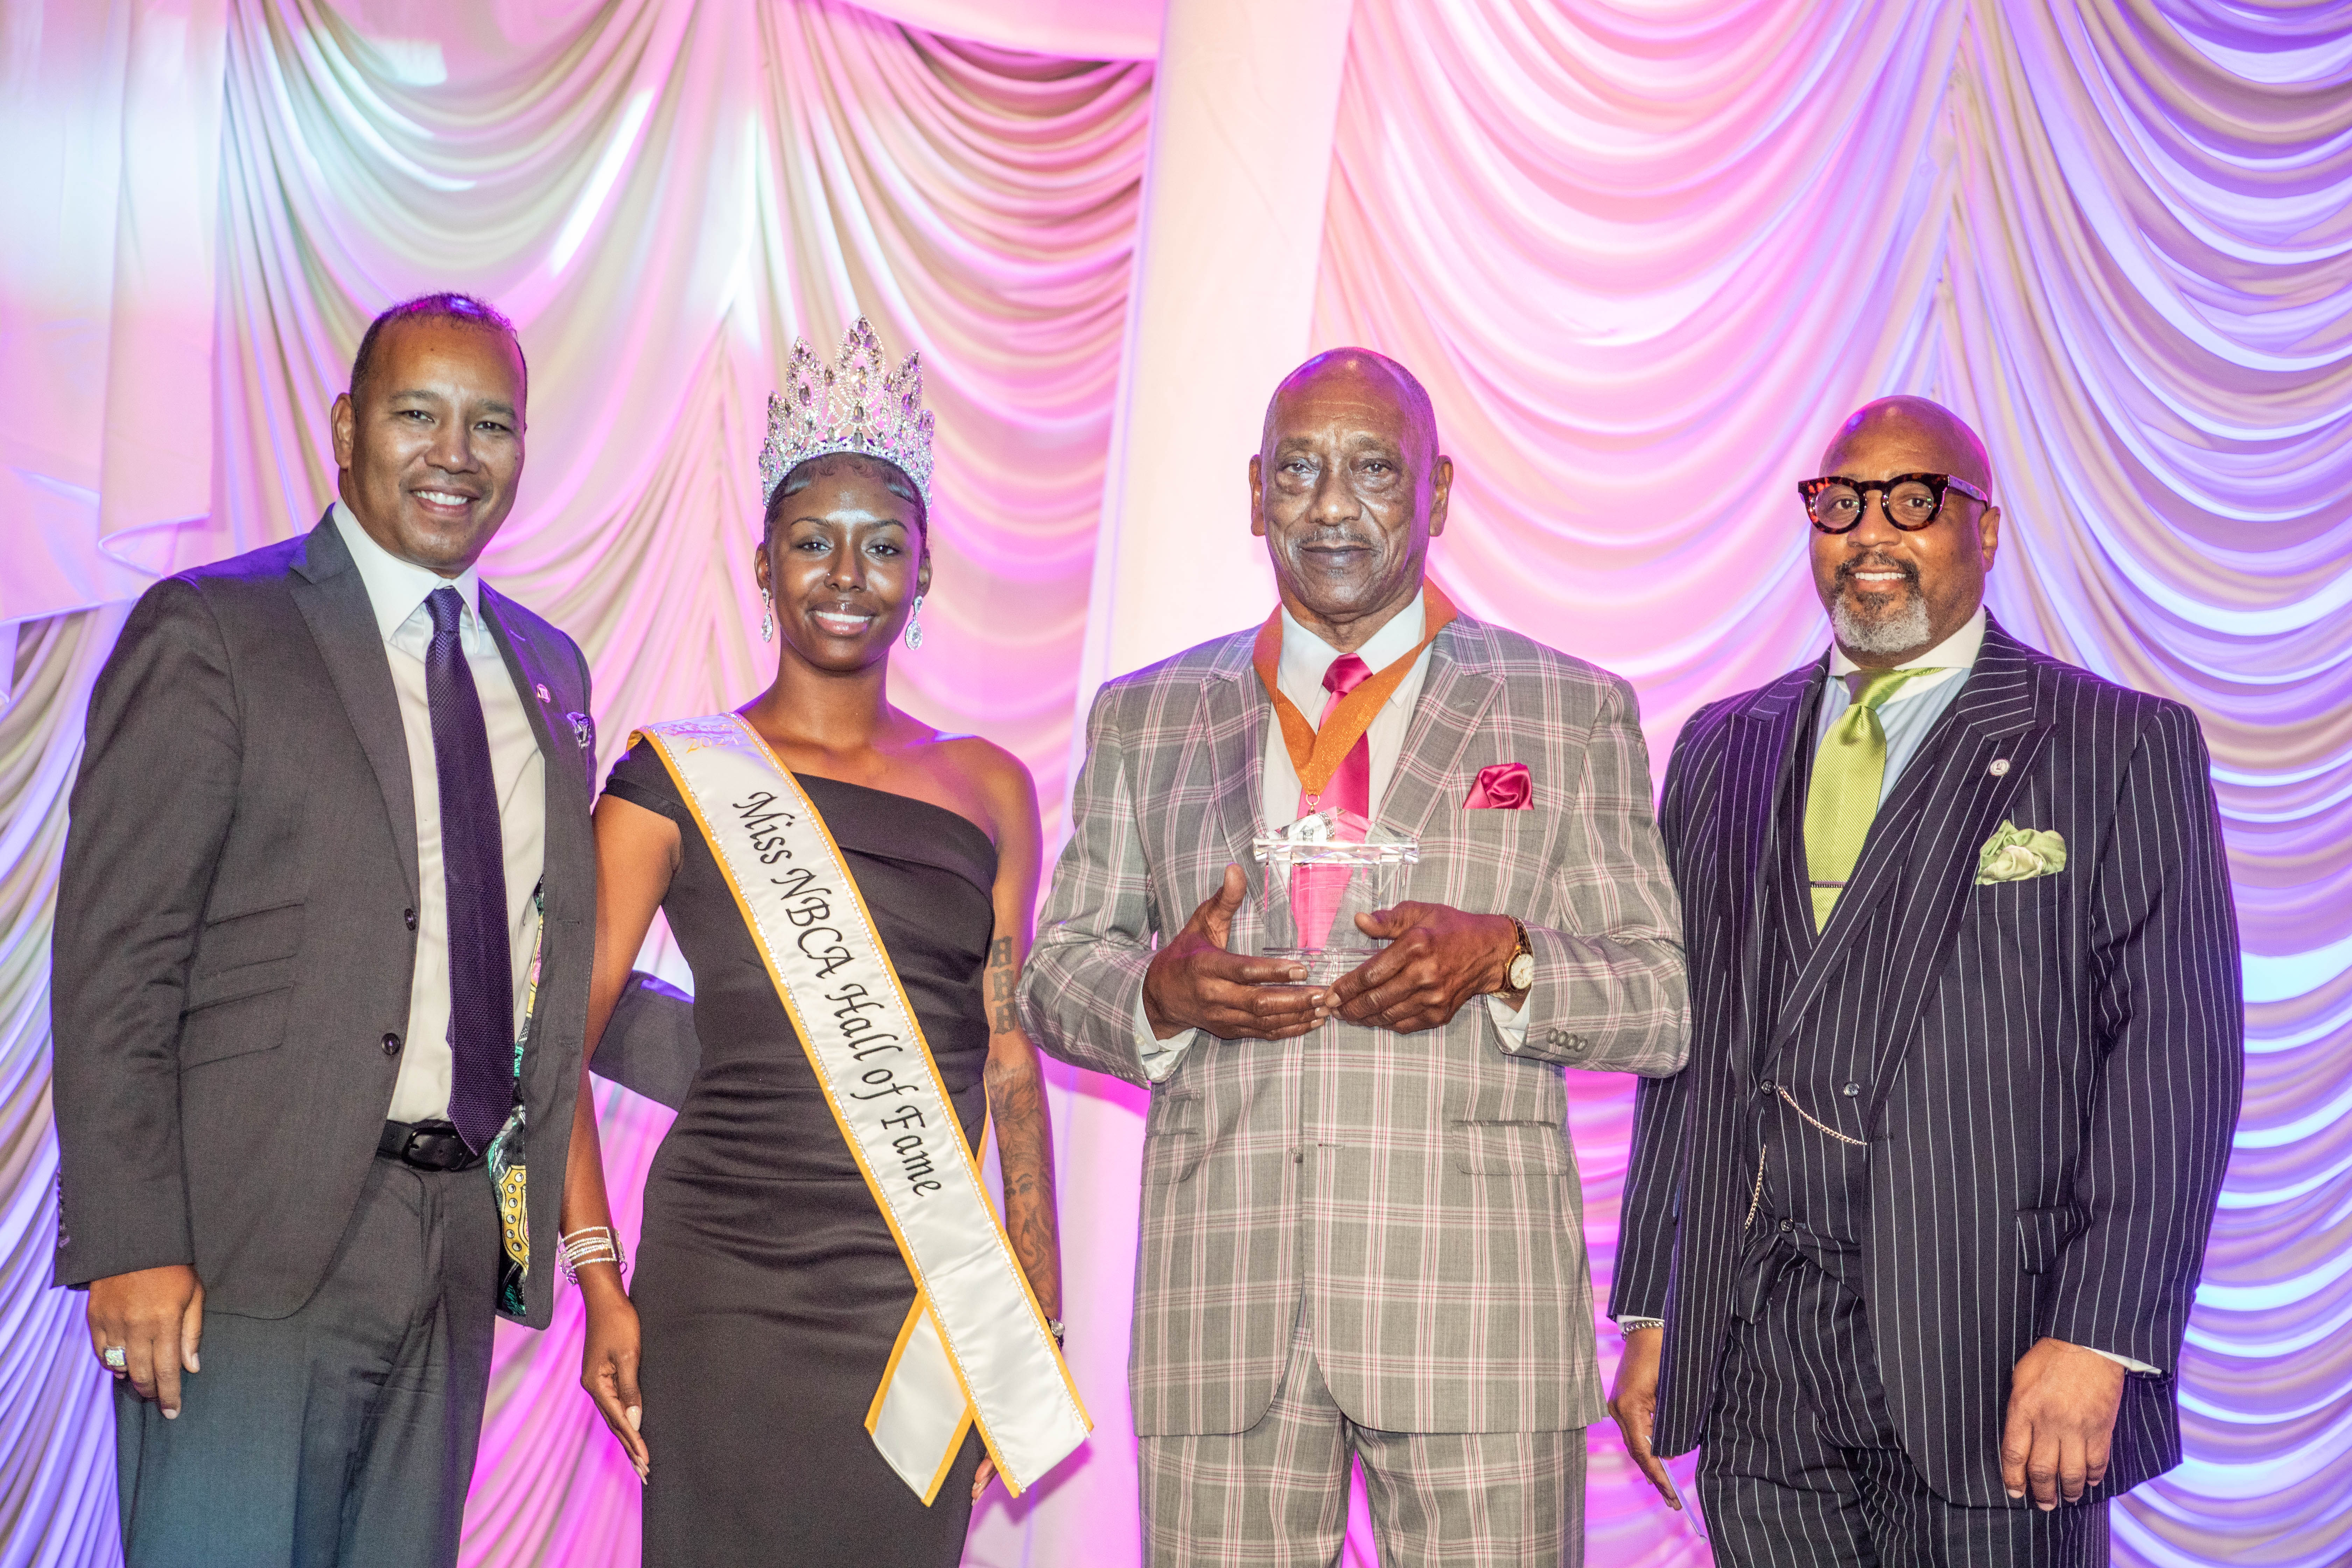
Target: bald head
x,y
1892,593
1346,489
1917,424
1367,371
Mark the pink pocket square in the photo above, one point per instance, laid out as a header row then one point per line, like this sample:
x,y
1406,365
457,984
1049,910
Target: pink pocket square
x,y
1501,786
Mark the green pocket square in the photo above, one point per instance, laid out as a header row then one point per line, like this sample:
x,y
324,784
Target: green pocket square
x,y
2015,854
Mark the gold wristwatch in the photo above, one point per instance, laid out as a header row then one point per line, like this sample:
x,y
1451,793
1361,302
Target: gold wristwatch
x,y
1520,972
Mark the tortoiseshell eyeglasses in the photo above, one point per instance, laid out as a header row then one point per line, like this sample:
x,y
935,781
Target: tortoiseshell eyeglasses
x,y
1836,503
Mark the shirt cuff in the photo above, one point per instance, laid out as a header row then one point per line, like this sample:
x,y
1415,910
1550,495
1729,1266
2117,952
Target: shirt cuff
x,y
1159,1057
1510,1021
2125,1362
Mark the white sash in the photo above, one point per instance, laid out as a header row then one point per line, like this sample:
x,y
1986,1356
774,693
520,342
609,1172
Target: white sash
x,y
974,1346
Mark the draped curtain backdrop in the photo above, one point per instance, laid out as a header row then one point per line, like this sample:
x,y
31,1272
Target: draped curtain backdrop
x,y
1644,256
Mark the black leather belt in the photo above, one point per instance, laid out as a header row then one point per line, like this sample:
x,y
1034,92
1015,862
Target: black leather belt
x,y
427,1145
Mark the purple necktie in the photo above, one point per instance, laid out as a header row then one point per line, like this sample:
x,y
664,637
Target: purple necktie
x,y
474,873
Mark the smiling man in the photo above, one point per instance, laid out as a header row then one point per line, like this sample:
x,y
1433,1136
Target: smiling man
x,y
1909,1246
320,981
1362,1238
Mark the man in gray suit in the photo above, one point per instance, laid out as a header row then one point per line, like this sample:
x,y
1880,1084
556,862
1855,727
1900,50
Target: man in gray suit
x,y
323,938
1361,1219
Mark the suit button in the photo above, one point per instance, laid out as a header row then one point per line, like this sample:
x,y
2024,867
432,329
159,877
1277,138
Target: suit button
x,y
392,1045
1788,1224
1850,1091
1765,1088
1576,1045
408,919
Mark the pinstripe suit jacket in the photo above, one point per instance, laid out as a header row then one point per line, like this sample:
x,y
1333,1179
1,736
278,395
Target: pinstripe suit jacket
x,y
1417,1190
2057,1063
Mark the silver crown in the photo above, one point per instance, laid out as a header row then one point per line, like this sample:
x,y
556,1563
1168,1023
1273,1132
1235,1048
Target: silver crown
x,y
855,405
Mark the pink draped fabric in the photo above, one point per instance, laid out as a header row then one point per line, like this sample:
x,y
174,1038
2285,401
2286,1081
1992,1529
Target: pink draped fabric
x,y
1646,259
663,196
1644,256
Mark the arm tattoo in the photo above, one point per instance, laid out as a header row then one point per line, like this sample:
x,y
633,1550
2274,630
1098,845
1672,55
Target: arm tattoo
x,y
1024,1149
1003,988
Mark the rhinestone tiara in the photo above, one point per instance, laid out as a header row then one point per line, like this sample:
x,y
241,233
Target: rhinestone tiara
x,y
855,405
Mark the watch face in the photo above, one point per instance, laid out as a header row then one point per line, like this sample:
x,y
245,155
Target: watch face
x,y
1523,971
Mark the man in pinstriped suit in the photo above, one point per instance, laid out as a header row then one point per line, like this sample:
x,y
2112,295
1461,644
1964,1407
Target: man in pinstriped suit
x,y
1362,1233
1923,1216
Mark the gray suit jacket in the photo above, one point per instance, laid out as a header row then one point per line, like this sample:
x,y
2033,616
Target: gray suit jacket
x,y
234,933
1418,1191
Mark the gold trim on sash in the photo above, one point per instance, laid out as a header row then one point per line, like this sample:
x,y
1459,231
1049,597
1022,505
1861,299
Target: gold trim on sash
x,y
984,1311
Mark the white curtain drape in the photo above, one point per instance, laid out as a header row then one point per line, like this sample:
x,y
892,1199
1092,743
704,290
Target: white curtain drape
x,y
1644,258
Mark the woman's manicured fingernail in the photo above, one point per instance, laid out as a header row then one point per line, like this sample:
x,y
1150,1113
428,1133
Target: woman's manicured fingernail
x,y
169,1413
637,1417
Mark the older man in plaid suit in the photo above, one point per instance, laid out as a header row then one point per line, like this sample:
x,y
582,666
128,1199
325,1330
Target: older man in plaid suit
x,y
1361,1217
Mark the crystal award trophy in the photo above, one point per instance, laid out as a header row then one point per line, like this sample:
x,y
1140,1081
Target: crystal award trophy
x,y
1321,872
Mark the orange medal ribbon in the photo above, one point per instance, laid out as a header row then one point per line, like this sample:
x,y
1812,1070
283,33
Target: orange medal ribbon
x,y
1314,753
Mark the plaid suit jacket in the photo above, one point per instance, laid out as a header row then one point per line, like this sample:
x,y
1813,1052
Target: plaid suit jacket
x,y
1417,1193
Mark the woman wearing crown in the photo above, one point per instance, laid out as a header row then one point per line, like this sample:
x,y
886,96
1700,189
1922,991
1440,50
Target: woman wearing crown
x,y
833,1343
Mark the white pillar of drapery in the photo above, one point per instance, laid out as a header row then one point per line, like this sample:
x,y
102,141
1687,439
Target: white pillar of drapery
x,y
157,463
1243,107
1244,102
111,119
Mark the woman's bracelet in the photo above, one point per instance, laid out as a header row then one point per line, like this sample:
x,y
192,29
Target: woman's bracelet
x,y
590,1243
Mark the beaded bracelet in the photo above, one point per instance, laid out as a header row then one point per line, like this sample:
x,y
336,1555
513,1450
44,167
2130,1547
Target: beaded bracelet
x,y
590,1243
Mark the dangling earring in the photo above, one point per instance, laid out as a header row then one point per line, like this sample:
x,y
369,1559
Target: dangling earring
x,y
767,617
915,624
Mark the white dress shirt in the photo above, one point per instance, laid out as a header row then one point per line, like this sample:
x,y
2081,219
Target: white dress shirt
x,y
396,591
1299,673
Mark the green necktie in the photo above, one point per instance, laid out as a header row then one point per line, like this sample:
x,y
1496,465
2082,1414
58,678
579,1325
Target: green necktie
x,y
1848,771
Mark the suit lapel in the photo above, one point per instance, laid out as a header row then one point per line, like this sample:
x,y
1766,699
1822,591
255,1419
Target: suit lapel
x,y
1919,863
1764,755
569,757
1229,723
1457,689
333,600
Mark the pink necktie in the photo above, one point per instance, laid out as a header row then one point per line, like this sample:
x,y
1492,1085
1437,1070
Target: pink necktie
x,y
1316,891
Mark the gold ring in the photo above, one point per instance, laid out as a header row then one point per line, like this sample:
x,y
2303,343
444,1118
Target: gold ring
x,y
115,1358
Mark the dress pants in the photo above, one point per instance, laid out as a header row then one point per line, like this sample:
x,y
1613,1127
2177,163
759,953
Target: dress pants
x,y
342,1436
1803,1466
1276,1495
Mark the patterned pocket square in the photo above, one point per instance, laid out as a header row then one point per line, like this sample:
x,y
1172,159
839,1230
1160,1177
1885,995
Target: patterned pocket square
x,y
2015,854
1501,786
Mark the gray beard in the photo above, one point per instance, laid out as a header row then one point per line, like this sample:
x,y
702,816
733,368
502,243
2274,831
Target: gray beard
x,y
1899,630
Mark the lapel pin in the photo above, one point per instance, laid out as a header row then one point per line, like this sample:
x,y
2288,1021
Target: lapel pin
x,y
1999,766
544,695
